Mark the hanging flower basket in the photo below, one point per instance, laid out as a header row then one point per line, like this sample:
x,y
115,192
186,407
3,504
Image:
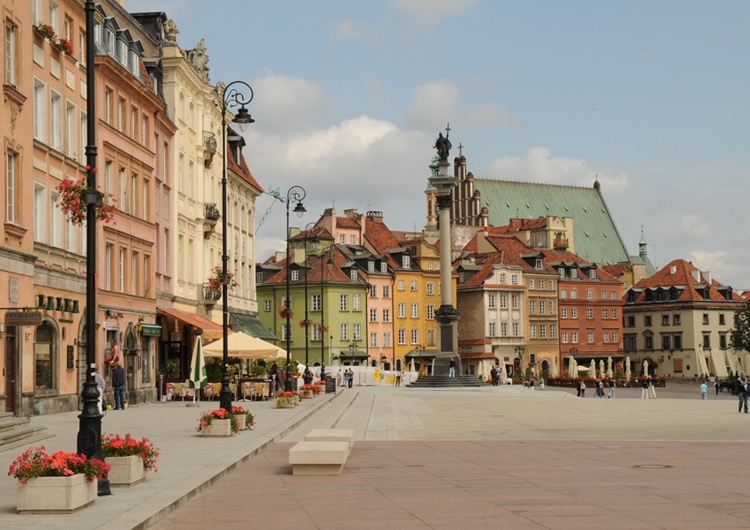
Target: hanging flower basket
x,y
322,329
282,309
74,206
218,279
305,323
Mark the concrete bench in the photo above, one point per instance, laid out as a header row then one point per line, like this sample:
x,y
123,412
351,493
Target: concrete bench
x,y
318,458
331,435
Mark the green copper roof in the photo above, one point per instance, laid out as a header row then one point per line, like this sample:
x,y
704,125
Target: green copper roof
x,y
596,238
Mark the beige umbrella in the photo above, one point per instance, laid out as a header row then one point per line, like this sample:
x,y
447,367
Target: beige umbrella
x,y
572,367
628,373
592,369
553,367
645,367
480,370
412,368
503,372
609,367
602,372
243,346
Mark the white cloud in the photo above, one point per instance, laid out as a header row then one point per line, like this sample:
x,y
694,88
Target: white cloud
x,y
438,102
284,103
430,12
716,263
539,165
350,28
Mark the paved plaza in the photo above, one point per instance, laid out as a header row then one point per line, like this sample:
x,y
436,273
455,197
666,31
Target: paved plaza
x,y
493,457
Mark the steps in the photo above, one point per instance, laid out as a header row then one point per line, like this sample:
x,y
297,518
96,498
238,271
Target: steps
x,y
443,381
17,431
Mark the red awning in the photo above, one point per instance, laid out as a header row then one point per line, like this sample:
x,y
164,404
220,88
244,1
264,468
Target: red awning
x,y
211,330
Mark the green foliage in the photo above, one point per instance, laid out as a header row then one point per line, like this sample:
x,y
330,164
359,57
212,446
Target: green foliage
x,y
258,370
213,368
740,334
170,370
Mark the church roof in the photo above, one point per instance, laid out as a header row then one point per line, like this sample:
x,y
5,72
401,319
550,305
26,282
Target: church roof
x,y
595,235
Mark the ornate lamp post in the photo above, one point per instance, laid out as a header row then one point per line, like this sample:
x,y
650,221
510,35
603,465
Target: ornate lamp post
x,y
353,350
89,440
296,194
230,97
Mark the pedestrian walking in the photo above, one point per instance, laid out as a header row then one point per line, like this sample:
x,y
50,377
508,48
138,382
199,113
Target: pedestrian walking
x,y
118,383
350,377
704,391
742,388
583,389
717,385
452,368
600,390
493,375
651,388
541,383
611,389
644,388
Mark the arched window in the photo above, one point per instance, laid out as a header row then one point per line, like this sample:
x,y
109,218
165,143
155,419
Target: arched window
x,y
44,356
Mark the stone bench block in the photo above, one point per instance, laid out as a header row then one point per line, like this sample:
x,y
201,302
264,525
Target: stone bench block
x,y
331,435
318,458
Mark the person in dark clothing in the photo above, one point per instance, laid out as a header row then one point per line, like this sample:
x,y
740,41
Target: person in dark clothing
x,y
118,384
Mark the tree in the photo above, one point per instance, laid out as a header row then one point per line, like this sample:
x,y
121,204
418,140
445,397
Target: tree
x,y
740,334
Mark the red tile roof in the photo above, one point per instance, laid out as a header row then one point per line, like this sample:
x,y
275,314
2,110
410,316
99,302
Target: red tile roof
x,y
346,222
241,169
680,273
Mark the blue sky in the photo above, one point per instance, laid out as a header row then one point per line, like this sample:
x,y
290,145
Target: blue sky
x,y
652,97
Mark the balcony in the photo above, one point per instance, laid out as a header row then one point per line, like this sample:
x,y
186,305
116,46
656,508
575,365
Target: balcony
x,y
561,243
209,148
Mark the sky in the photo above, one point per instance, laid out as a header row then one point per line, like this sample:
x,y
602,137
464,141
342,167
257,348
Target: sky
x,y
650,97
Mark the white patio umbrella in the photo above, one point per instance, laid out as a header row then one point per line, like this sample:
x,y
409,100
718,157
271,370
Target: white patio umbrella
x,y
503,372
572,367
243,346
592,369
412,368
645,367
553,367
602,373
628,373
609,367
198,378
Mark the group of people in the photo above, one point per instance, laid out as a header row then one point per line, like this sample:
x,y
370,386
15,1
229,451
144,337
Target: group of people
x,y
598,389
648,390
118,379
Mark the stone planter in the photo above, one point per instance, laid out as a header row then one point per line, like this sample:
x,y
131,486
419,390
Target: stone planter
x,y
307,394
55,494
218,428
241,421
126,470
285,403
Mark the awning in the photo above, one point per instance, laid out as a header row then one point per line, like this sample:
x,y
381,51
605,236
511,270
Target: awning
x,y
251,325
149,330
478,355
359,355
421,354
211,330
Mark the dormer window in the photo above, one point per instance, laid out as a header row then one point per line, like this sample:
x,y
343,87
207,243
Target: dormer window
x,y
592,275
259,277
574,273
353,275
122,53
538,265
295,275
383,266
370,266
133,62
405,262
109,41
561,271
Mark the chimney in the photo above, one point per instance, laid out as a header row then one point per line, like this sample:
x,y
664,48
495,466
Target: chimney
x,y
673,269
696,275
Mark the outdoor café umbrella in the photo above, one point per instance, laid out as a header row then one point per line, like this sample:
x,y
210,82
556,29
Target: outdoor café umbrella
x,y
592,369
242,346
412,368
628,373
609,367
572,367
645,368
602,373
503,373
553,368
198,378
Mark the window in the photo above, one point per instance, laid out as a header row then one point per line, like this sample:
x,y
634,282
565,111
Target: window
x,y
267,306
405,262
561,272
493,329
133,272
414,285
574,294
415,311
144,200
70,130
665,320
514,279
605,313
45,356
589,294
383,267
564,312
706,340
344,302
401,285
647,320
553,331
574,273
386,315
574,313
294,275
121,283
564,338
543,331
515,329
133,123
676,321
415,336
532,307
10,188
649,342
563,294
36,11
316,302
121,114
430,337
503,301
503,278
666,342
592,274
83,139
357,332
589,313
430,312
401,336
401,310
430,288
532,285
503,329
538,264
353,275
286,332
533,331
387,339
386,291
373,340
10,53
344,329
356,305
373,315
630,322
491,300
317,333
551,307
57,222
612,294
133,192
108,267
606,337
705,319
541,285
40,111
516,301
721,319
40,214
574,337
82,47
604,295
542,307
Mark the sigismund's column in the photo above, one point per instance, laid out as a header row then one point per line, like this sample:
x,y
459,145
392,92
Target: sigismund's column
x,y
447,314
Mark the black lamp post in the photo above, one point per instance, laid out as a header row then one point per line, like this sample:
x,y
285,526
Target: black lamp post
x,y
353,350
296,194
89,441
230,97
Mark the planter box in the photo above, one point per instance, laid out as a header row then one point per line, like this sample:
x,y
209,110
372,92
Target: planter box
x,y
218,428
241,421
126,470
285,403
307,394
55,494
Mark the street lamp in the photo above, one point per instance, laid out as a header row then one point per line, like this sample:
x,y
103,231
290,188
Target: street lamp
x,y
353,350
296,194
322,314
315,240
89,440
230,97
